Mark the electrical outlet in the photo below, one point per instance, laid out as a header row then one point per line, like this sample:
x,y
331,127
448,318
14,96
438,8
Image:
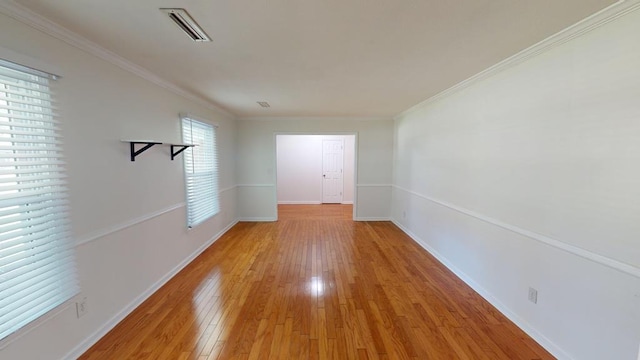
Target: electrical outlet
x,y
81,307
533,295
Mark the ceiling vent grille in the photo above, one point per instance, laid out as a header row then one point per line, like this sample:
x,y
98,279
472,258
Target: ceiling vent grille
x,y
185,22
264,104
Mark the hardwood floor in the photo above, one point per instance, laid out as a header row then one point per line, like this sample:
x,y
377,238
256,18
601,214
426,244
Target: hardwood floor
x,y
316,285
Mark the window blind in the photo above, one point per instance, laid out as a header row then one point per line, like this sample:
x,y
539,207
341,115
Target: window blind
x,y
201,171
37,268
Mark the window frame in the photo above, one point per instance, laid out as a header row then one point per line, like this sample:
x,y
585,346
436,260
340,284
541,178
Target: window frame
x,y
194,158
50,203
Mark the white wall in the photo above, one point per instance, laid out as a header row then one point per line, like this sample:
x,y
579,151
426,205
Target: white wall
x,y
531,177
257,163
128,217
299,168
349,169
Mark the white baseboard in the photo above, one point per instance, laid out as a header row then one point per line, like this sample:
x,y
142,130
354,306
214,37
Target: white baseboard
x,y
258,219
309,203
117,318
521,323
299,202
371,219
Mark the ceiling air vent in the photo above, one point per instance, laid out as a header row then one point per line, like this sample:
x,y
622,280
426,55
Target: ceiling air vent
x,y
182,18
264,104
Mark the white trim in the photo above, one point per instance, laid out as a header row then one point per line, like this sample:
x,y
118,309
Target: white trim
x,y
360,218
602,17
520,322
203,119
255,185
28,61
374,185
258,219
115,228
39,22
111,323
299,202
106,231
583,253
36,323
315,118
228,188
347,203
313,133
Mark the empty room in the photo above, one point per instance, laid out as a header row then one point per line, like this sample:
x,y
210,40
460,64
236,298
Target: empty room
x,y
216,179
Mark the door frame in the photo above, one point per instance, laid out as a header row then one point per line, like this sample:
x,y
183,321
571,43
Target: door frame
x,y
324,133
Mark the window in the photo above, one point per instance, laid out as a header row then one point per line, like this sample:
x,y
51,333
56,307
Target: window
x,y
37,269
201,171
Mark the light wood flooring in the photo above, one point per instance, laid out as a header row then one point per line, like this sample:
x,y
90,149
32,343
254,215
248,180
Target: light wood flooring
x,y
316,285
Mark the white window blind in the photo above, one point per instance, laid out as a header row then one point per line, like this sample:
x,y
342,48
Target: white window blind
x,y
37,268
201,171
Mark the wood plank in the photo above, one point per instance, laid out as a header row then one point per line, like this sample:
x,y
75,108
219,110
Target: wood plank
x,y
315,285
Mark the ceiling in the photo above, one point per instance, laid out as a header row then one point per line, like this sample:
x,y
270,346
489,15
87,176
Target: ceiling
x,y
322,58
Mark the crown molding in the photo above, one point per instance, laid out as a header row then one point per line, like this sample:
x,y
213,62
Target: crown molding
x,y
39,22
601,18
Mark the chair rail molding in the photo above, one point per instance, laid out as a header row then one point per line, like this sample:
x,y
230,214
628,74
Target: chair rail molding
x,y
586,254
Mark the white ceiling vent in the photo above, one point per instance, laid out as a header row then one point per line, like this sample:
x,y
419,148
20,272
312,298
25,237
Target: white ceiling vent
x,y
182,18
264,104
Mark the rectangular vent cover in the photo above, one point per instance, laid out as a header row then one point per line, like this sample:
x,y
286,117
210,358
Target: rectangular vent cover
x,y
185,22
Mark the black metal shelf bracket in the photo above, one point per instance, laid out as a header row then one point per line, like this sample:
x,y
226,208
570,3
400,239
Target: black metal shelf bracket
x,y
147,146
182,147
175,148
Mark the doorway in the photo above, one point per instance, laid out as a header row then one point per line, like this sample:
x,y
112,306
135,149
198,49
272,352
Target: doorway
x,y
315,169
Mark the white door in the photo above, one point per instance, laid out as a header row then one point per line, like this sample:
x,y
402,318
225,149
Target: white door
x,y
332,161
